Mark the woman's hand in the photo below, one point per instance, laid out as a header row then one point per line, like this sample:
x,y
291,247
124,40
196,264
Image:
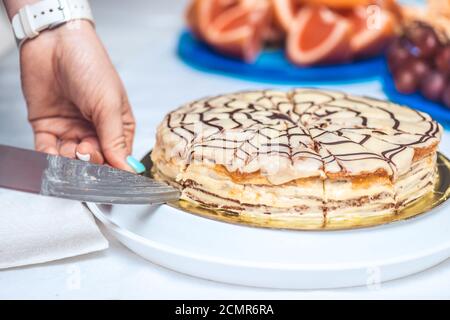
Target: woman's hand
x,y
77,104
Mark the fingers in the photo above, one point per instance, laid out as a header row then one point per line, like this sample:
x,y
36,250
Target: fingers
x,y
67,148
89,150
108,122
46,142
77,138
79,142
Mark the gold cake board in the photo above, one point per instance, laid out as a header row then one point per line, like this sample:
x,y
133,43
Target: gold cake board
x,y
433,199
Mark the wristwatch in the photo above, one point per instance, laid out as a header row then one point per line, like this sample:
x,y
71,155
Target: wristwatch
x,y
48,14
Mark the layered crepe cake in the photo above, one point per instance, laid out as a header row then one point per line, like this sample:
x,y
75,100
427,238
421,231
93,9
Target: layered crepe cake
x,y
305,156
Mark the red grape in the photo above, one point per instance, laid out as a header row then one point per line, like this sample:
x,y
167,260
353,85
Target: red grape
x,y
397,56
443,60
419,67
419,61
433,85
425,39
405,80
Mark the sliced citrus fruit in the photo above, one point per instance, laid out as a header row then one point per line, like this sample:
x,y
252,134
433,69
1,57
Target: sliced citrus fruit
x,y
239,31
232,27
319,35
392,6
191,17
201,13
284,13
272,35
371,30
338,4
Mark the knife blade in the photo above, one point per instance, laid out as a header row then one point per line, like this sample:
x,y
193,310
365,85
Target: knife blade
x,y
55,176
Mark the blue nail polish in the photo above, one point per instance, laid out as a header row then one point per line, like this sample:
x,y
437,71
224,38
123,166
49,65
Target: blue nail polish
x,y
135,164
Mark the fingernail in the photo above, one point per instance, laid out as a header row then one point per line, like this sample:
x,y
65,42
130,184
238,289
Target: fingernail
x,y
83,157
135,164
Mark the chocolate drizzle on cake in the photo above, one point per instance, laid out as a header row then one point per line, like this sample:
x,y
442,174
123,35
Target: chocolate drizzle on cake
x,y
297,125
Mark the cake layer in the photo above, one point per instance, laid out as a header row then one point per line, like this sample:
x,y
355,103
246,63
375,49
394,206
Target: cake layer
x,y
259,212
307,193
418,181
323,201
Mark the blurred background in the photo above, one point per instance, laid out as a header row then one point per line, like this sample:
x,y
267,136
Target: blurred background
x,y
106,12
138,9
119,24
6,38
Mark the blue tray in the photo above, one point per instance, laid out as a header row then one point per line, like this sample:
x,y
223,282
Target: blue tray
x,y
272,65
438,111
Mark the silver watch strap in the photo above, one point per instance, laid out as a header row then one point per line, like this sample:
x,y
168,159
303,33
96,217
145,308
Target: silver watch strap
x,y
47,14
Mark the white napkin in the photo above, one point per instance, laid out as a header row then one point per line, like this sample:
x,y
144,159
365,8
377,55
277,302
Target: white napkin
x,y
36,229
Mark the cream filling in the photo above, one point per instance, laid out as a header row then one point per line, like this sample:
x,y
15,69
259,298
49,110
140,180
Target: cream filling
x,y
309,194
210,200
342,190
346,201
341,197
417,182
365,211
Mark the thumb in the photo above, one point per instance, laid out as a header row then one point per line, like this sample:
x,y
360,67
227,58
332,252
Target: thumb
x,y
109,127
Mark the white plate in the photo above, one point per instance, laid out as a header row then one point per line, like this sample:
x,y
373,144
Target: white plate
x,y
279,258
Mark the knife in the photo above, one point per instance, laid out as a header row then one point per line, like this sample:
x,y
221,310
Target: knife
x,y
55,176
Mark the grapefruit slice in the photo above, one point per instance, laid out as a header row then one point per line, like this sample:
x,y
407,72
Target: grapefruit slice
x,y
370,33
238,32
339,4
392,6
284,13
201,13
319,35
232,27
191,17
272,33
